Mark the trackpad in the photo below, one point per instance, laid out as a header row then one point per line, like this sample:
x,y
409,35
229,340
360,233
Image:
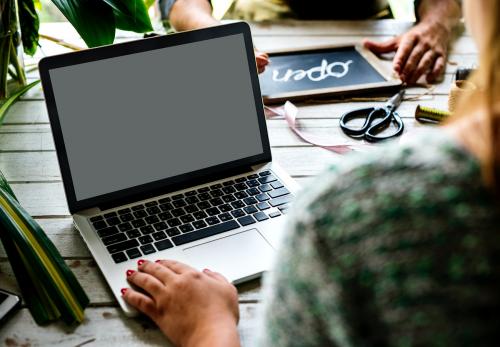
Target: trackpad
x,y
236,257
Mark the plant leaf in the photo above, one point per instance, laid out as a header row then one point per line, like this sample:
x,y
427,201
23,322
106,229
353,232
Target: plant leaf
x,y
149,3
28,17
131,15
4,106
93,19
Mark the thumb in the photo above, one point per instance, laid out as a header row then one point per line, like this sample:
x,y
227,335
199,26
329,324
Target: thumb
x,y
382,47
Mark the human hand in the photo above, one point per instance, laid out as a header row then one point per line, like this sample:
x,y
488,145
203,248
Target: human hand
x,y
192,308
262,60
422,50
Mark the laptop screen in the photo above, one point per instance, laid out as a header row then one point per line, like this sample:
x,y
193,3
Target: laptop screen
x,y
143,117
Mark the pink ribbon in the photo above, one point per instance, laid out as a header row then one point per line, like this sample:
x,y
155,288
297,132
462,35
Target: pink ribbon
x,y
289,111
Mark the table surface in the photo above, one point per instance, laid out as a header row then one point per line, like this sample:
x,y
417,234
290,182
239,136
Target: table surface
x,y
28,160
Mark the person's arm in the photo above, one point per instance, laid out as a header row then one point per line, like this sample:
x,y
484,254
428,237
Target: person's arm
x,y
423,49
196,14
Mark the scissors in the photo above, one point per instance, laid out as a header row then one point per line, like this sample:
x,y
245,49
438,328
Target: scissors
x,y
377,119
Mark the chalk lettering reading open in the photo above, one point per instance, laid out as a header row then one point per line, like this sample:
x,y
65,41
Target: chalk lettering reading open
x,y
315,74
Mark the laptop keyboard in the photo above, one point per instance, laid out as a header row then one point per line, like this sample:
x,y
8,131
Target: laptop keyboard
x,y
153,226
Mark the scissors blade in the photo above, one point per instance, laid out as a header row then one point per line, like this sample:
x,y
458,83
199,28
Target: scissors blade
x,y
395,101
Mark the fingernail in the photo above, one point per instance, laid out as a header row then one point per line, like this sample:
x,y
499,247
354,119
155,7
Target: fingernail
x,y
140,262
206,270
123,290
130,272
157,261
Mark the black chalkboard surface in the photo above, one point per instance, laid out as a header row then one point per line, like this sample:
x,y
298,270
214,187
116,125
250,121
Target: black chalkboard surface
x,y
323,71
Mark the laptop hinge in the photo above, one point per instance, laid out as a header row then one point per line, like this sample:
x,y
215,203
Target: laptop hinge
x,y
173,188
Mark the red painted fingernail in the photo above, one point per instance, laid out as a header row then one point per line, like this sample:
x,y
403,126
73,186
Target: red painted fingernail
x,y
206,270
130,272
140,262
157,261
123,290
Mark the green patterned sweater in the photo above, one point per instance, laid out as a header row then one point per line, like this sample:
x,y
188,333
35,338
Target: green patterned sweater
x,y
396,247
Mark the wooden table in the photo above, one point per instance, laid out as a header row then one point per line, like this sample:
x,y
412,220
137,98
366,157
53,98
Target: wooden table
x,y
28,160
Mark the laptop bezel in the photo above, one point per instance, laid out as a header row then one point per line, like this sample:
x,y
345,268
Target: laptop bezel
x,y
168,184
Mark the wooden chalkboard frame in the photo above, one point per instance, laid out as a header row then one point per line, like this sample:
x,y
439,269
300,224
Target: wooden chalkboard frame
x,y
392,82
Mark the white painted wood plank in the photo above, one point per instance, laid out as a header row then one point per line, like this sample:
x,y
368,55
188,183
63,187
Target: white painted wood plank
x,y
103,326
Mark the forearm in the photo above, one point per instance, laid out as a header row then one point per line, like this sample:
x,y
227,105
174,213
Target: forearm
x,y
444,12
191,14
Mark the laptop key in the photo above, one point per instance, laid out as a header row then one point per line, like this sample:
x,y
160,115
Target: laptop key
x,y
192,200
164,244
263,206
228,198
122,246
212,220
276,184
247,220
200,215
253,191
178,212
124,211
206,232
238,204
216,193
125,226
199,224
216,186
265,188
153,210
109,215
144,240
191,193
204,205
250,201
138,223
172,232
225,217
165,215
204,196
260,216
151,203
281,200
179,203
240,186
151,219
262,197
134,233
187,219
240,179
107,231
119,257
216,202
252,176
267,179
148,249
253,183
278,192
174,222
137,207
164,200
140,214
186,228
241,195
96,218
177,196
113,220
160,235
160,226
229,190
133,253
238,213
191,208
275,214
114,239
148,229
228,183
203,190
100,224
212,211
225,208
166,207
265,173
250,209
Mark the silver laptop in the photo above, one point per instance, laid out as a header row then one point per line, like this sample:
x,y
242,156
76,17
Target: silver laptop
x,y
164,153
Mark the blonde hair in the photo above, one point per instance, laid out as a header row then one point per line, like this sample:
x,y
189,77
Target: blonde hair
x,y
486,99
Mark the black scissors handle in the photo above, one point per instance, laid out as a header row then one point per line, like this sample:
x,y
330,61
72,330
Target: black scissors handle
x,y
377,119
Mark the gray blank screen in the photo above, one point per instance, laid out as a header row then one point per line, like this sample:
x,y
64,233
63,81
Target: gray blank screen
x,y
148,116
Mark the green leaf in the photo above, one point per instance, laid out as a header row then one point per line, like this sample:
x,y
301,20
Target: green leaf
x,y
28,17
131,15
4,106
149,3
93,19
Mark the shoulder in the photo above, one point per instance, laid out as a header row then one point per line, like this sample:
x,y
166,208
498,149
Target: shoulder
x,y
371,188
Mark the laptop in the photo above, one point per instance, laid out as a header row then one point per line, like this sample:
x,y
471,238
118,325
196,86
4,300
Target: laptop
x,y
164,153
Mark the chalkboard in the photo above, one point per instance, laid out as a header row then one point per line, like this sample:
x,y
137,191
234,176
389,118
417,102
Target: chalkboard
x,y
323,71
